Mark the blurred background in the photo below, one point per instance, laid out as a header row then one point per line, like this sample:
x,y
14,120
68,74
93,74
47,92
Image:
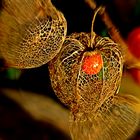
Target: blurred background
x,y
29,108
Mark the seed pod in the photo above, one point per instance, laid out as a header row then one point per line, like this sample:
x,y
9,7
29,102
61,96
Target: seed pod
x,y
32,32
80,71
87,78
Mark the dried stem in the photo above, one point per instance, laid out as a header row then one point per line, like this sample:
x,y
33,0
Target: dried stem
x,y
129,59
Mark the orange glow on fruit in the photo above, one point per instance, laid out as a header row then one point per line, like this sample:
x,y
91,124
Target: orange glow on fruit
x,y
92,63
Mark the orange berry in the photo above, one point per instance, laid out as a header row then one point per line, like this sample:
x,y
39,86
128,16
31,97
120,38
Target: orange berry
x,y
92,63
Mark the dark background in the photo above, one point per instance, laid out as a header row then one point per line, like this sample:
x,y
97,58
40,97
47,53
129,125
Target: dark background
x,y
124,13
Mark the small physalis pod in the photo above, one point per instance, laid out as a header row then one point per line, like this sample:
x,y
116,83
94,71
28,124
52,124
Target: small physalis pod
x,y
85,71
86,76
31,32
